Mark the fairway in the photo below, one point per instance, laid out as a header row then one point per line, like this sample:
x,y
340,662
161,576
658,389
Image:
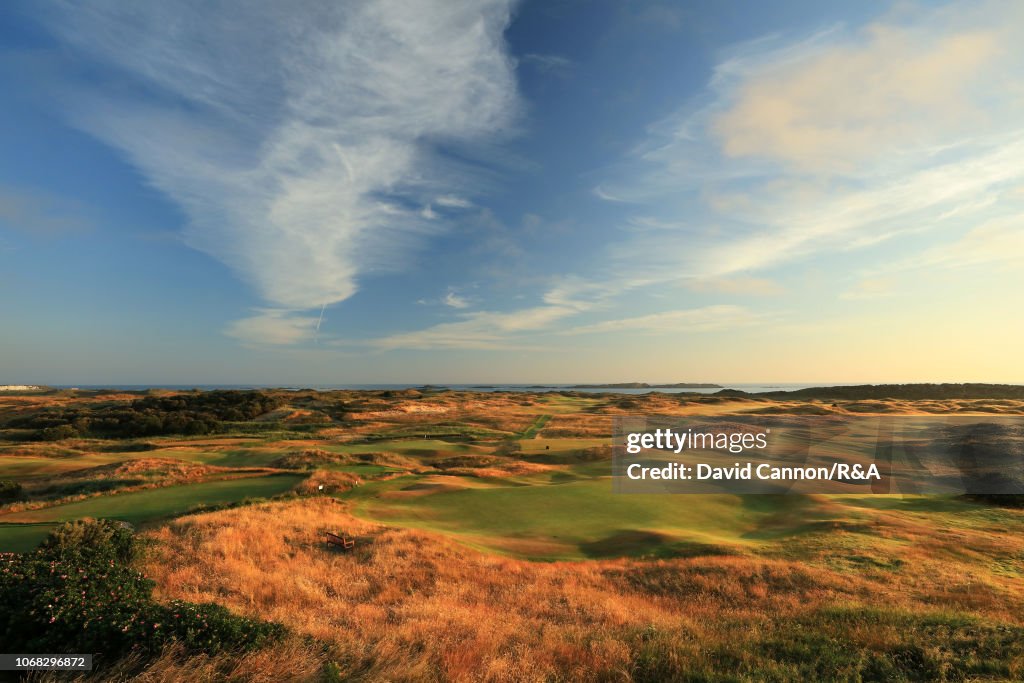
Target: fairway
x,y
21,538
538,445
411,446
582,519
139,506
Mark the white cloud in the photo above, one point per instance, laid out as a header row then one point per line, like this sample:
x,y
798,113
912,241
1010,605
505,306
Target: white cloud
x,y
273,326
298,140
999,241
480,330
828,105
601,193
455,301
450,201
905,127
705,319
556,65
520,329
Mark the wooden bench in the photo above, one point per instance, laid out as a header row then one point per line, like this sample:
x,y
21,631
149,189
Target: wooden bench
x,y
343,542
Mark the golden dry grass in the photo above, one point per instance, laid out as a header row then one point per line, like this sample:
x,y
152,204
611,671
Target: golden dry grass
x,y
410,606
289,660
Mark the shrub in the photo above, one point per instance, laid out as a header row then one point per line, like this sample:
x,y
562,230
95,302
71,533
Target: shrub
x,y
68,596
57,433
209,627
92,539
78,593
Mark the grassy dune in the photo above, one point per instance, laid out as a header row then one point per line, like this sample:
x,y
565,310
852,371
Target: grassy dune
x,y
411,605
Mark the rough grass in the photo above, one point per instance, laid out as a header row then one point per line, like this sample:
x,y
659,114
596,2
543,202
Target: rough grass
x,y
411,606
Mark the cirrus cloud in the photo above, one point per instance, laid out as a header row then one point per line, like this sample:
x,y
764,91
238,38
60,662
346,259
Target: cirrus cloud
x,y
302,143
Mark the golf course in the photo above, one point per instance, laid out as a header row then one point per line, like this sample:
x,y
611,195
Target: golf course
x,y
492,515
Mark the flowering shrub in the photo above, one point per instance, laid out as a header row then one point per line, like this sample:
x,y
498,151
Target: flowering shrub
x,y
78,593
209,627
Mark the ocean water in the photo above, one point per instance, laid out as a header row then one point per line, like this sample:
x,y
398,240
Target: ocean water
x,y
752,388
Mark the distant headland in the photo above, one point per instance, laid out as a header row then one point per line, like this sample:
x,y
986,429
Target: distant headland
x,y
645,385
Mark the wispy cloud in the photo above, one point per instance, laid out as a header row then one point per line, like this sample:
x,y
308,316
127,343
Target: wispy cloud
x,y
453,300
271,326
704,319
524,329
997,242
481,330
756,286
848,138
840,141
451,201
301,143
556,65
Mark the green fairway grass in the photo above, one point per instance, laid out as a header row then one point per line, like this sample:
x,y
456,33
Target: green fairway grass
x,y
581,519
539,445
538,424
409,446
17,529
21,467
21,538
365,469
242,457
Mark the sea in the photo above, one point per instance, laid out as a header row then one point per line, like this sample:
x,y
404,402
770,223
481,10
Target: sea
x,y
754,388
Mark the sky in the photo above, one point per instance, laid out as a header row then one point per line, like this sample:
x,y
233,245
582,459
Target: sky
x,y
381,191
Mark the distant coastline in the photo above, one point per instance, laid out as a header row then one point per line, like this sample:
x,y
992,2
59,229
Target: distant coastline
x,y
645,385
823,391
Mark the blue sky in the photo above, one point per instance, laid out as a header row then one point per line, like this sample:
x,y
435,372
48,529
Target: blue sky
x,y
549,191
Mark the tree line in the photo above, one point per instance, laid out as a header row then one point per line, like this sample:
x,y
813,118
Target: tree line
x,y
189,414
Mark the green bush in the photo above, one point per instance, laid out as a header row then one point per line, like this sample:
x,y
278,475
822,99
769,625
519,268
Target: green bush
x,y
209,627
57,433
93,540
68,597
78,593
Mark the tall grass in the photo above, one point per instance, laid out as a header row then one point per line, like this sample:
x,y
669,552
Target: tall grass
x,y
410,606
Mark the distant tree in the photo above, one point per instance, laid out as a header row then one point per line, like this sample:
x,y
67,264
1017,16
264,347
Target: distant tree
x,y
9,490
58,433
